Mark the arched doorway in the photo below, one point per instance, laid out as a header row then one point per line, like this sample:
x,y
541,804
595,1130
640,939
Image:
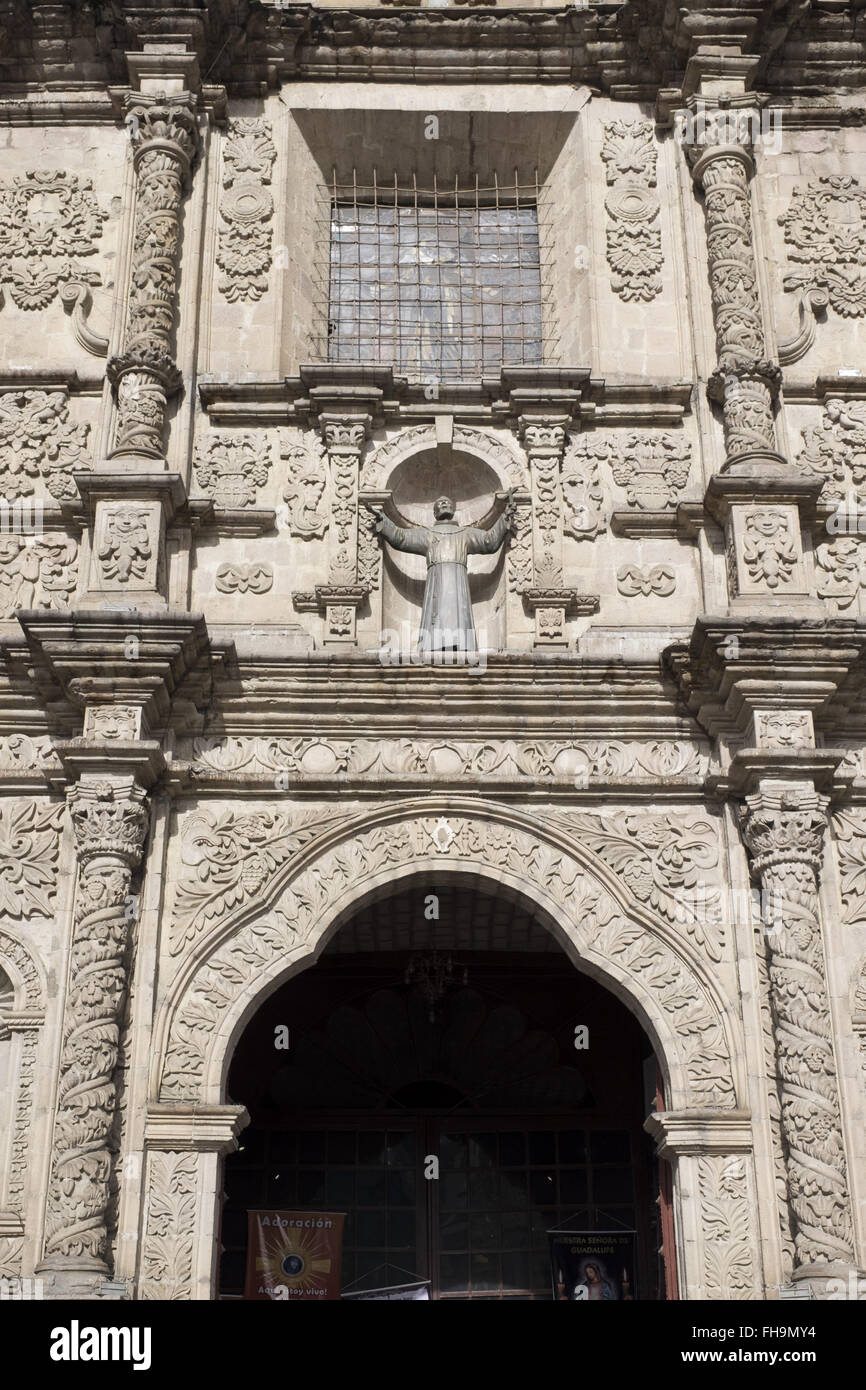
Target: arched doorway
x,y
441,1022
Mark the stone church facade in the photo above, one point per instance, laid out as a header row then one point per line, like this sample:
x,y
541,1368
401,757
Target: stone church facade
x,y
219,743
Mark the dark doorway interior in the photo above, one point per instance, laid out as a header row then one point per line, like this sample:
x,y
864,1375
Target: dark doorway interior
x,y
478,1070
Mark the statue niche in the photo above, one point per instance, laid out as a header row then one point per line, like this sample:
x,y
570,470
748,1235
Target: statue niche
x,y
480,503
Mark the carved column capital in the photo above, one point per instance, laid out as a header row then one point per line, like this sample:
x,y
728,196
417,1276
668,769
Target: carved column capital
x,y
784,825
162,123
108,819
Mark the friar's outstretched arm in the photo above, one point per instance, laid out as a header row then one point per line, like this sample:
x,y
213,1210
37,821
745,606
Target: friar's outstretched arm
x,y
413,539
482,542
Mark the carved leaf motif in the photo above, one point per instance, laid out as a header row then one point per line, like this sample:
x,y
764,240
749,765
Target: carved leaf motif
x,y
850,833
168,1246
29,844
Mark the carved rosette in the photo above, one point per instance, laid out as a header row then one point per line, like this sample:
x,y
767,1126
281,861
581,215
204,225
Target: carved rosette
x,y
744,381
783,828
164,135
110,822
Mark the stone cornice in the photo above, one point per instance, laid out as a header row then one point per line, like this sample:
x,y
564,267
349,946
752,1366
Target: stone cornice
x,y
490,401
628,50
734,665
700,1132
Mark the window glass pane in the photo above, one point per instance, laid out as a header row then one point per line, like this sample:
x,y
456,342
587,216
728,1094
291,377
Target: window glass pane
x,y
447,271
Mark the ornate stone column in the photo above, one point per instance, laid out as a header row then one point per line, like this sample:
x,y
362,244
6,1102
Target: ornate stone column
x,y
758,499
164,136
109,818
783,823
744,381
130,495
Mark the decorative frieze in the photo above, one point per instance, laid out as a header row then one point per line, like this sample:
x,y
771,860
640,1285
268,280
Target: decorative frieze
x,y
246,210
231,468
39,442
783,827
567,762
634,243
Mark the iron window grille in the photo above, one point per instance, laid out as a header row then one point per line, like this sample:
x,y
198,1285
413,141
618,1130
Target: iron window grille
x,y
441,283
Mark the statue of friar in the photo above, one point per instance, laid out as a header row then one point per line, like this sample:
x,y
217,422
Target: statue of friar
x,y
446,618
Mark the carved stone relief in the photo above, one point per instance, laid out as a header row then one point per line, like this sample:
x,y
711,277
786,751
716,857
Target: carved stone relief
x,y
38,442
583,494
841,570
836,449
110,823
602,760
660,580
170,1219
783,830
255,578
653,468
634,242
246,209
231,468
38,575
46,216
769,550
306,485
242,959
825,232
729,1269
126,547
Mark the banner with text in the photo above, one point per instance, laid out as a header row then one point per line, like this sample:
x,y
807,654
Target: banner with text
x,y
294,1255
592,1266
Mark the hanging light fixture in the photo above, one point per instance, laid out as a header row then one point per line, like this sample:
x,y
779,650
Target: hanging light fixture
x,y
434,975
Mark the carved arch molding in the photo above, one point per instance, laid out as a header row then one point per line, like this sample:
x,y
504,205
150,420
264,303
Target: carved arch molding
x,y
232,956
21,1025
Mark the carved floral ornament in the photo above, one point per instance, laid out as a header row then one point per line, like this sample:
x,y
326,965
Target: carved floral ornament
x,y
836,449
46,216
825,231
38,443
249,904
246,208
601,760
231,468
634,243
